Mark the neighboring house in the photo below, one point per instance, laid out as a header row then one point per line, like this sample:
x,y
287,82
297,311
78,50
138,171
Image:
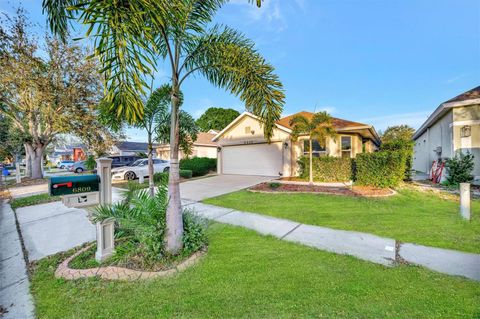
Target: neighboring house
x,y
244,150
453,126
130,148
68,152
202,147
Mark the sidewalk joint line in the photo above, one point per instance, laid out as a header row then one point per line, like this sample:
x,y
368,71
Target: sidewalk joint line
x,y
291,231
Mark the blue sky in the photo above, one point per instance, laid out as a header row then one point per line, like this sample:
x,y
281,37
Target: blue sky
x,y
382,62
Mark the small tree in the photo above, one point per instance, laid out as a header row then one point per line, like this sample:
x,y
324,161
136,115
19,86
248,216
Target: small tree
x,y
460,168
318,128
216,118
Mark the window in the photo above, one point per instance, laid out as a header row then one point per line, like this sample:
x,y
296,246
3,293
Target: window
x,y
247,130
346,146
317,150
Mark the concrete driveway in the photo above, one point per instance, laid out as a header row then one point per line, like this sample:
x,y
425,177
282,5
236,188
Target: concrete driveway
x,y
203,188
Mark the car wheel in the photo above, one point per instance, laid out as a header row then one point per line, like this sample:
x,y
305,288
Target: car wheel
x,y
79,170
166,169
130,176
62,167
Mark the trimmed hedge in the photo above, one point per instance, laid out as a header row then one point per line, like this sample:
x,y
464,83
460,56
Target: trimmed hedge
x,y
186,173
198,165
159,177
381,169
327,168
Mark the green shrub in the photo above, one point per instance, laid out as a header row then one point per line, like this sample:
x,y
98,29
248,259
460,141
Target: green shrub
x,y
460,168
198,165
160,177
186,173
381,169
327,168
140,223
402,146
274,185
90,163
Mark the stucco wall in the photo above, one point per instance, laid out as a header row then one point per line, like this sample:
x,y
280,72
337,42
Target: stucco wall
x,y
468,115
248,130
440,135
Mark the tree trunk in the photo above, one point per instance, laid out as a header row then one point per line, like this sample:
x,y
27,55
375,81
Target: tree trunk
x,y
35,153
17,169
150,166
174,232
310,180
28,163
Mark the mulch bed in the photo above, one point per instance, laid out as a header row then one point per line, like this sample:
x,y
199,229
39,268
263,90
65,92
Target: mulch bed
x,y
355,191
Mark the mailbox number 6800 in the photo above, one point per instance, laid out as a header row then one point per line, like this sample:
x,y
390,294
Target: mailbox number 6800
x,y
82,189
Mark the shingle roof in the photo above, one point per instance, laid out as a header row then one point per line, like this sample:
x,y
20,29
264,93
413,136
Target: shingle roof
x,y
337,123
132,146
469,95
205,138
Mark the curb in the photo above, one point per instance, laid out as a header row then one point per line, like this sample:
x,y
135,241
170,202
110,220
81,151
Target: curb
x,y
120,273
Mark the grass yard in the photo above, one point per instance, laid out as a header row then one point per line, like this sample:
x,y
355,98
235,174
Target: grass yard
x,y
410,216
252,276
33,200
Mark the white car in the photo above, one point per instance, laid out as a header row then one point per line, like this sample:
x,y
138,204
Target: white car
x,y
139,168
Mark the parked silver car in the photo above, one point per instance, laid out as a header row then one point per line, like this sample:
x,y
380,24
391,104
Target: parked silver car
x,y
78,167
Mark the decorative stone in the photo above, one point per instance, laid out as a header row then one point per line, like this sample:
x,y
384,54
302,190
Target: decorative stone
x,y
141,179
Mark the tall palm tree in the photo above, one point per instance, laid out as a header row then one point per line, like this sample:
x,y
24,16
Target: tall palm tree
x,y
318,128
130,35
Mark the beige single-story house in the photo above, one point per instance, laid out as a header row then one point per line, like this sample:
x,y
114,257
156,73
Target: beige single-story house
x,y
202,147
242,148
453,126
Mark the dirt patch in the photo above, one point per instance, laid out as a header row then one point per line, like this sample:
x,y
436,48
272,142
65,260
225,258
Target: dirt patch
x,y
355,191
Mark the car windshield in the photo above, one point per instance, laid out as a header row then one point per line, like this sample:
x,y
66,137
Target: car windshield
x,y
137,163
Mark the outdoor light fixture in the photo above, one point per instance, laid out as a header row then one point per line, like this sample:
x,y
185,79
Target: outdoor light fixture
x,y
219,149
285,145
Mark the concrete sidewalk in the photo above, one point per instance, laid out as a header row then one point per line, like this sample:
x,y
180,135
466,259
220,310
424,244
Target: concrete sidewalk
x,y
14,285
365,246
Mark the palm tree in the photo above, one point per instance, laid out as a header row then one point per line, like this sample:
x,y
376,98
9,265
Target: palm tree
x,y
188,131
130,35
155,107
318,128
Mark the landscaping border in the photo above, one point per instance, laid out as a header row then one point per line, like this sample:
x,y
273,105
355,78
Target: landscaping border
x,y
392,193
120,273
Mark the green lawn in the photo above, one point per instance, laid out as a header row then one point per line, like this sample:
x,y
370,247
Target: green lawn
x,y
410,216
33,200
252,276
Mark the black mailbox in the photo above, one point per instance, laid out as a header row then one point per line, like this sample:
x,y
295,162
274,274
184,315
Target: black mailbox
x,y
67,185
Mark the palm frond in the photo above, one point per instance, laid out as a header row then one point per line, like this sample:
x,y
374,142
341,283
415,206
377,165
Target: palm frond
x,y
228,60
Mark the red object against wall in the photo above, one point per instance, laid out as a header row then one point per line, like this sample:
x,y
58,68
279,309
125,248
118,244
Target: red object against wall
x,y
78,154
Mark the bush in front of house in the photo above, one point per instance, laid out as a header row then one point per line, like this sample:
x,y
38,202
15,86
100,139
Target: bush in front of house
x,y
141,226
327,168
198,165
90,163
380,169
186,173
460,168
402,146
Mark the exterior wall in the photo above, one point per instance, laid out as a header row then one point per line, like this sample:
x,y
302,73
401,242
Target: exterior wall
x,y
438,136
468,115
199,151
238,134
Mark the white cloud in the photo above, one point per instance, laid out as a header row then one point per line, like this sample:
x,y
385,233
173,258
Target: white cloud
x,y
270,13
455,78
414,119
328,109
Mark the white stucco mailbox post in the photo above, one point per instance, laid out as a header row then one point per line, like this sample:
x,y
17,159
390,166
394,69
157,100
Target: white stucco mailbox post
x,y
465,200
105,229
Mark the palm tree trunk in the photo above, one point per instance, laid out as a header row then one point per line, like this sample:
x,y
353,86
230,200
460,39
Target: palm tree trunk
x,y
310,168
174,232
151,185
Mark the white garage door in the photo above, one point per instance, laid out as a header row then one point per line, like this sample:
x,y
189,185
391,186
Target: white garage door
x,y
253,159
